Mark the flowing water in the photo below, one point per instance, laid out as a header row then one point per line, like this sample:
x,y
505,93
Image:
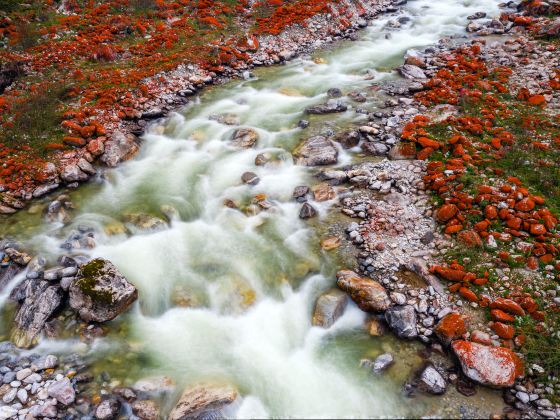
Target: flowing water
x,y
227,295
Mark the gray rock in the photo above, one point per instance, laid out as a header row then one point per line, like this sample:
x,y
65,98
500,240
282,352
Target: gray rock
x,y
244,138
100,292
7,412
383,362
412,72
316,151
307,211
431,381
45,362
329,307
375,148
300,193
108,409
118,148
203,402
62,391
44,189
22,395
9,396
47,410
331,106
72,173
402,320
250,178
41,300
86,167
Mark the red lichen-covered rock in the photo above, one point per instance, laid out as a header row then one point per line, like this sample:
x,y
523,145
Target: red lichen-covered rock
x,y
525,205
481,337
449,273
369,295
470,238
451,327
96,147
507,305
446,212
503,330
537,229
468,294
492,366
501,316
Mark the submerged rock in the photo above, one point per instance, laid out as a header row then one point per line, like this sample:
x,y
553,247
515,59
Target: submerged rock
x,y
316,151
203,402
107,409
244,138
329,307
383,362
431,381
100,292
492,366
369,295
145,221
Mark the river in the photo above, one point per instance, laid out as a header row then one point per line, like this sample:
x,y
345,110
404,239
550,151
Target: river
x,y
227,295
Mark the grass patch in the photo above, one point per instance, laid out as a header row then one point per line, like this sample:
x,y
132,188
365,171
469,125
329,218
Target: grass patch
x,y
541,348
36,121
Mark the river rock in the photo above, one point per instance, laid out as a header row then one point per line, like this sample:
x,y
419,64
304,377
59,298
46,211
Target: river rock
x,y
402,320
316,151
412,72
145,221
203,402
329,307
492,366
250,178
108,409
382,362
118,148
72,173
331,106
369,295
307,211
244,138
62,391
431,381
145,410
323,192
41,299
100,292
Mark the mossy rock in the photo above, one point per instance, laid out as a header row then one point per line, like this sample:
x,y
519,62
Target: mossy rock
x,y
100,292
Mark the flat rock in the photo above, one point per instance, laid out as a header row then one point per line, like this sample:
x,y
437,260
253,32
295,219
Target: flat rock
x,y
203,402
488,365
410,71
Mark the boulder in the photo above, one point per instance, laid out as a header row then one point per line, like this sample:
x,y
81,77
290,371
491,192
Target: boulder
x,y
431,381
244,138
402,320
203,402
491,366
329,307
100,292
369,295
118,148
316,151
40,301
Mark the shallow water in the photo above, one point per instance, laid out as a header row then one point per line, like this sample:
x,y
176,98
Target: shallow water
x,y
226,296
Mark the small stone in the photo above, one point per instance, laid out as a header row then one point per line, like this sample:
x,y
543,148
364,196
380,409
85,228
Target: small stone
x,y
63,391
383,362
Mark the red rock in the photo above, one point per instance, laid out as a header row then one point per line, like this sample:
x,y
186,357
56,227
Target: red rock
x,y
514,223
451,327
481,337
536,100
470,238
446,212
491,212
492,366
74,141
503,330
501,316
449,274
507,305
453,229
369,295
96,147
537,229
468,294
525,205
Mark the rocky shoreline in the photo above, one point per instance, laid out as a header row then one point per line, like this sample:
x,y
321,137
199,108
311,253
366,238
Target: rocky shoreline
x,y
395,232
